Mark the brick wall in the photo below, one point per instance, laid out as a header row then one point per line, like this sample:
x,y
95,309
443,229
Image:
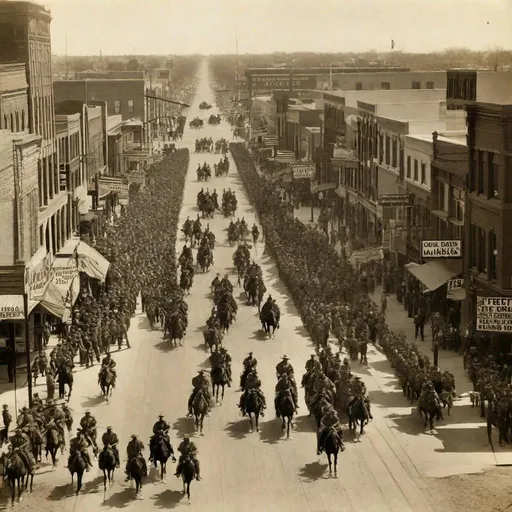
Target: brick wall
x,y
105,90
6,202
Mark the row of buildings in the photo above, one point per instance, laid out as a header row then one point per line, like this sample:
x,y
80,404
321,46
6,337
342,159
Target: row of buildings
x,y
414,167
69,150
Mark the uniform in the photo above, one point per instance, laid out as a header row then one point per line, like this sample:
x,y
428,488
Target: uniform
x,y
20,443
331,424
282,386
252,383
185,448
161,427
200,382
284,367
79,445
313,364
88,424
109,438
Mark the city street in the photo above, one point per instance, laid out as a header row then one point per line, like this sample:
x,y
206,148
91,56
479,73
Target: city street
x,y
388,471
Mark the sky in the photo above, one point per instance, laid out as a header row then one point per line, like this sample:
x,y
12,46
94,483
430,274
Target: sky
x,y
120,27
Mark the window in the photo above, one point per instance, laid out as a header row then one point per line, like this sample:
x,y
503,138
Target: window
x,y
492,173
415,170
480,183
117,106
430,85
388,151
482,251
423,173
472,170
381,148
457,204
416,85
130,108
409,167
359,86
472,245
493,256
394,155
385,86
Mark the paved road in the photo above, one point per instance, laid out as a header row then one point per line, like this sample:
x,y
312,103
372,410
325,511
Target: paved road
x,y
242,471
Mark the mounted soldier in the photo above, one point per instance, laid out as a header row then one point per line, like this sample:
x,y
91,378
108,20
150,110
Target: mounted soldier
x,y
88,424
331,426
200,383
284,367
110,439
79,444
188,448
282,386
134,451
20,443
161,427
252,382
108,365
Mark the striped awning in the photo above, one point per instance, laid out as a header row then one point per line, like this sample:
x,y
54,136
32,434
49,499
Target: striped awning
x,y
285,157
271,140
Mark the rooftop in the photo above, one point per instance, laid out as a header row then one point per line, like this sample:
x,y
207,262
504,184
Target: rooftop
x,y
455,137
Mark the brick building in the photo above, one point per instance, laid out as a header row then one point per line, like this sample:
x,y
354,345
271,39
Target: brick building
x,y
122,96
488,254
13,97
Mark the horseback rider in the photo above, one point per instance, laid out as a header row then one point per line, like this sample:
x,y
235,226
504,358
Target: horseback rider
x,y
215,283
267,307
188,448
284,367
57,418
134,451
226,360
79,444
37,401
331,423
25,417
200,383
161,427
313,364
277,311
108,365
252,382
20,443
427,391
110,440
249,363
282,385
88,424
226,283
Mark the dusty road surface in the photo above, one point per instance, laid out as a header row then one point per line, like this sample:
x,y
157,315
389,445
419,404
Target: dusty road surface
x,y
389,471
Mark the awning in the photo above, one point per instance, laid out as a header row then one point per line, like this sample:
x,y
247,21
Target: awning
x,y
90,261
433,274
103,193
11,307
53,301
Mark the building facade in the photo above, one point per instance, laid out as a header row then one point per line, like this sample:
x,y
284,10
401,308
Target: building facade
x,y
13,97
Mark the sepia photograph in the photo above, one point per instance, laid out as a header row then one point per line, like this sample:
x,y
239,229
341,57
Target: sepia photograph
x,y
253,255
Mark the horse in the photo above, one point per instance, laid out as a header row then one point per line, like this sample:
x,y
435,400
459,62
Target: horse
x,y
65,376
253,406
16,472
225,318
430,411
52,444
78,466
204,260
211,340
332,445
286,409
358,412
106,383
107,463
251,292
175,330
200,407
188,473
161,454
136,472
219,380
185,282
268,321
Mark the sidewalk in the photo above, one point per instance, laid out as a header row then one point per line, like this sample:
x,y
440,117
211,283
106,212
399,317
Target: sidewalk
x,y
398,321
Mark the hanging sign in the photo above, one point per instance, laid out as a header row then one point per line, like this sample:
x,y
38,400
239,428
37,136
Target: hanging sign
x,y
494,314
441,249
303,171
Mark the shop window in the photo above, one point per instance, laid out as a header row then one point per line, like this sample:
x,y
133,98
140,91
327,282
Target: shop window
x,y
415,170
117,107
493,255
430,85
385,86
416,85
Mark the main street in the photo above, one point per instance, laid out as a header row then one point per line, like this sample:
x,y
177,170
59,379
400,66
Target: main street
x,y
240,471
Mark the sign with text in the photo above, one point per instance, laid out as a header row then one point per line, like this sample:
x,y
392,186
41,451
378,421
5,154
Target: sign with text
x,y
456,290
494,314
303,171
441,249
137,177
37,278
11,313
395,200
273,82
114,186
63,276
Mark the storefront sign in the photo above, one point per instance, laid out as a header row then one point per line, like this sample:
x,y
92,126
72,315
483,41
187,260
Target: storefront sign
x,y
273,82
494,314
63,276
456,290
114,186
395,199
303,171
441,249
137,177
38,277
11,313
366,255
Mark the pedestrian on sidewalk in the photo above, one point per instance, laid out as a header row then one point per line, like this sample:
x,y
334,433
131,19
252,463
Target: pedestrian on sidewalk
x,y
419,324
383,304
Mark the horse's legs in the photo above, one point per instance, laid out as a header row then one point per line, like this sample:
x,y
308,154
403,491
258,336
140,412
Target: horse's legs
x,y
250,421
257,416
201,424
288,427
78,482
105,479
330,464
188,490
223,388
283,424
336,464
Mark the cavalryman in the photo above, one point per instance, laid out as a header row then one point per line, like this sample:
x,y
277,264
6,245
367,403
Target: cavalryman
x,y
284,384
330,421
250,362
79,444
134,451
161,427
88,424
252,383
284,367
108,364
188,448
110,439
200,382
20,443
